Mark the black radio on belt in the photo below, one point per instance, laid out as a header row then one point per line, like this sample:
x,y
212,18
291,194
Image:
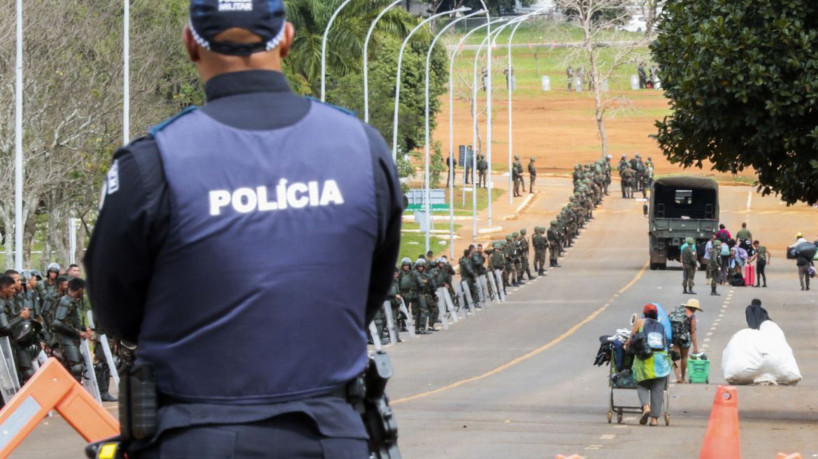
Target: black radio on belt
x,y
367,394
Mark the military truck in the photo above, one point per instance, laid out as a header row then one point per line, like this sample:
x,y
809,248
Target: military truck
x,y
681,207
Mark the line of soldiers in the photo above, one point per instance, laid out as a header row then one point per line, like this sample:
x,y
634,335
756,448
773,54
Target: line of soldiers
x,y
635,175
45,318
416,283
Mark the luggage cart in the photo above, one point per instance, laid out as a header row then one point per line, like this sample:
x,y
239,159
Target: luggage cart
x,y
629,384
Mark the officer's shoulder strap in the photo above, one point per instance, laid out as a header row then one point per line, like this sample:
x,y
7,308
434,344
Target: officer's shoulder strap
x,y
340,109
155,129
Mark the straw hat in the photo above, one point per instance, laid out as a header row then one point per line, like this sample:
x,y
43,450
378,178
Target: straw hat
x,y
693,304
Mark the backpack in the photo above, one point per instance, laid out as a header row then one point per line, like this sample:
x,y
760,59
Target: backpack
x,y
725,250
655,334
679,324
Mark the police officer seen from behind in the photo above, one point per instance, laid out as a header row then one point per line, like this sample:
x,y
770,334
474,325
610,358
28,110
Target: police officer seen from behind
x,y
248,195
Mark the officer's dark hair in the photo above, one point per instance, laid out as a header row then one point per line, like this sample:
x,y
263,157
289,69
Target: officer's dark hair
x,y
465,252
59,280
471,246
73,266
429,254
9,272
422,256
76,284
480,245
5,281
755,242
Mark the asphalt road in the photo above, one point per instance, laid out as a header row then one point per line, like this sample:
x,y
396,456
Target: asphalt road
x,y
516,380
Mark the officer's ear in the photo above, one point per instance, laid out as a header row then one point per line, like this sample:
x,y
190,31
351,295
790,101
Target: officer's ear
x,y
190,45
287,40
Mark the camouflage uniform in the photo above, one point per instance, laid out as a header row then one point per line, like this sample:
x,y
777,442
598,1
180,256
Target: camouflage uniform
x,y
689,264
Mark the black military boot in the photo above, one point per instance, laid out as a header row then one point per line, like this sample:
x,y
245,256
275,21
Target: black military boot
x,y
713,290
685,290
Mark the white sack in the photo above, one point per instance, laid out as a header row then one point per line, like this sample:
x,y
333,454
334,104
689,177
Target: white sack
x,y
760,357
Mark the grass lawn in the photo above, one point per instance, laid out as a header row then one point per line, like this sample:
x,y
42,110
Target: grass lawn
x,y
413,244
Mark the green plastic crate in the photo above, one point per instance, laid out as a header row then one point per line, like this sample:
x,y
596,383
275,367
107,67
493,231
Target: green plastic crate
x,y
698,371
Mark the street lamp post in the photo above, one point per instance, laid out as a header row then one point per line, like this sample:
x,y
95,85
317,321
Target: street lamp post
x,y
324,51
126,85
366,57
428,65
510,120
451,127
18,144
400,64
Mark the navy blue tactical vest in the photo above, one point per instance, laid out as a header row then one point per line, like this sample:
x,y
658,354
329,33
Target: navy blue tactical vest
x,y
259,293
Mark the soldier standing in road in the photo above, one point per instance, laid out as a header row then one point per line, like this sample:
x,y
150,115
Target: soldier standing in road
x,y
393,297
409,290
714,266
525,249
467,271
762,258
428,306
478,264
532,175
511,261
69,327
689,265
497,261
554,244
482,169
517,175
627,182
540,243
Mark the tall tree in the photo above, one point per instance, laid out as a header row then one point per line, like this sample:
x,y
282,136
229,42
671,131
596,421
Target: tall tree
x,y
740,76
495,6
595,18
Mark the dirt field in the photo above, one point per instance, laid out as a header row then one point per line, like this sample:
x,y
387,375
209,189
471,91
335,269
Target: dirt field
x,y
559,129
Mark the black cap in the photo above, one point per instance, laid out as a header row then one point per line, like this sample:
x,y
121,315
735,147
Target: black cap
x,y
265,18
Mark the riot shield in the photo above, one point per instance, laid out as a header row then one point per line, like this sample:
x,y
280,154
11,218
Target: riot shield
x,y
494,294
89,376
442,312
106,349
481,297
376,340
409,324
483,288
502,292
390,321
8,371
467,293
458,290
450,304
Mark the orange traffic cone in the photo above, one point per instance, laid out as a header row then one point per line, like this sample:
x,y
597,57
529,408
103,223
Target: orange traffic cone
x,y
722,440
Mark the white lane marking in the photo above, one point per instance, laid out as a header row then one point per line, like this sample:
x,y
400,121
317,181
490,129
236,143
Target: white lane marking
x,y
749,203
607,437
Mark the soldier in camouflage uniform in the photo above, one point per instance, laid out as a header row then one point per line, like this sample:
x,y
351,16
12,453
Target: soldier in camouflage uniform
x,y
532,175
69,327
554,243
525,249
511,265
497,261
627,182
482,169
409,290
689,265
540,243
518,257
467,272
426,297
714,266
517,177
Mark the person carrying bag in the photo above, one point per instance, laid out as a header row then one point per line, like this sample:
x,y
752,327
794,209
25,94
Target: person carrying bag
x,y
651,366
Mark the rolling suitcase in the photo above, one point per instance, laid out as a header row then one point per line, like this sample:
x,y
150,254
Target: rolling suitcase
x,y
749,275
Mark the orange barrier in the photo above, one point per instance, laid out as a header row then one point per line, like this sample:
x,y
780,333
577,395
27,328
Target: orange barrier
x,y
722,438
788,456
53,388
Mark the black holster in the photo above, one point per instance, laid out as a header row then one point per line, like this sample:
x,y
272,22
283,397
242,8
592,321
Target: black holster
x,y
137,411
368,396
